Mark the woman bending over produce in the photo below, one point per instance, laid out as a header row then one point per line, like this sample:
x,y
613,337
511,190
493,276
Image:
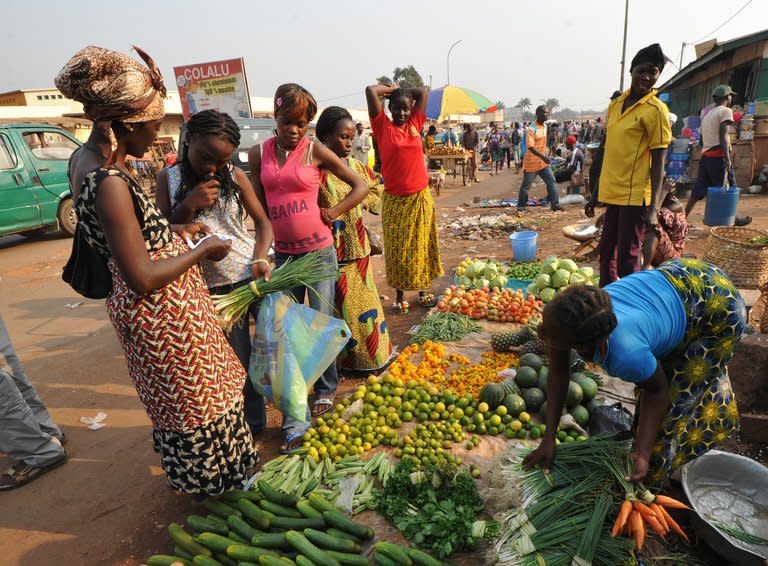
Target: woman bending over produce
x,y
286,175
411,254
357,298
671,331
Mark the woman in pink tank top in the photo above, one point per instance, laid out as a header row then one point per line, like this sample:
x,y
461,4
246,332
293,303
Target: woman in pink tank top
x,y
286,176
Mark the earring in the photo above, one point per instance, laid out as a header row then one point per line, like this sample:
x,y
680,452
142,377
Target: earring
x,y
129,127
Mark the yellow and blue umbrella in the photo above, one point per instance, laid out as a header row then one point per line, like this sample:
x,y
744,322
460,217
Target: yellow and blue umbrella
x,y
450,99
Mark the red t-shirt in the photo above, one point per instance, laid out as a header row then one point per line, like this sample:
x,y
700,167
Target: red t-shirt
x,y
401,153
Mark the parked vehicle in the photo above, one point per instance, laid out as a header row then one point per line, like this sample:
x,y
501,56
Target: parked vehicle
x,y
34,189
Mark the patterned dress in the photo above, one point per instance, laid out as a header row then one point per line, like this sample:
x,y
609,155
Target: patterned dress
x,y
185,372
702,406
357,298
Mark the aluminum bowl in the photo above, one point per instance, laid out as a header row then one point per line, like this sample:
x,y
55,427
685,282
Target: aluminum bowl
x,y
732,489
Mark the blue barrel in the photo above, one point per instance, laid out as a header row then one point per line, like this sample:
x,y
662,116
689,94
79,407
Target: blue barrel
x,y
524,245
721,206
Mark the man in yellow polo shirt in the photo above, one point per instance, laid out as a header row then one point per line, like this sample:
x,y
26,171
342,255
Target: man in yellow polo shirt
x,y
536,162
637,133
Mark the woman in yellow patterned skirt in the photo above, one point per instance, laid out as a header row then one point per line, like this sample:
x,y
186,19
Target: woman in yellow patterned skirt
x,y
411,253
671,331
357,298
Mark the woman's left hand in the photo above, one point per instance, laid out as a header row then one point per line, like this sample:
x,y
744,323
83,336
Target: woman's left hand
x,y
327,215
192,231
261,270
652,220
641,466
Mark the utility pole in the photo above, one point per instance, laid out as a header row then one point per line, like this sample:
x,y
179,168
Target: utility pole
x,y
448,62
682,50
624,46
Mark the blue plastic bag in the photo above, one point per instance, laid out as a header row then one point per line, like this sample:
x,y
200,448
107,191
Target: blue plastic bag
x,y
292,347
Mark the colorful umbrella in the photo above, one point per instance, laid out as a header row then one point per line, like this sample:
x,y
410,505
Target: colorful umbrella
x,y
450,99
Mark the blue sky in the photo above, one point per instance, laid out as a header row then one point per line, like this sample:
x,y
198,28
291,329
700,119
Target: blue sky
x,y
565,49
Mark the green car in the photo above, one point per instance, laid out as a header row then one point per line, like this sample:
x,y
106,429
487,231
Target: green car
x,y
34,190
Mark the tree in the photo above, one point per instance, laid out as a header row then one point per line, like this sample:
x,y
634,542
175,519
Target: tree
x,y
552,103
524,104
383,80
500,105
407,77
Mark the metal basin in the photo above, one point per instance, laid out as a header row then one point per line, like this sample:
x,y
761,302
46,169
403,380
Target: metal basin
x,y
731,489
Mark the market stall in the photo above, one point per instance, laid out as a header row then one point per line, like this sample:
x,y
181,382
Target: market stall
x,y
452,160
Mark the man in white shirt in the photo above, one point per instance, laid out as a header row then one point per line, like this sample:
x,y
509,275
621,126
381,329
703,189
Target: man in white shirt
x,y
361,145
715,160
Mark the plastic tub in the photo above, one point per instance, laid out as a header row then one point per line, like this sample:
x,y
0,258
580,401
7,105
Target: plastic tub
x,y
721,206
524,245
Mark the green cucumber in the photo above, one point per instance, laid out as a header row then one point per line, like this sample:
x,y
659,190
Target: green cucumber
x,y
287,523
422,558
302,560
342,522
244,552
241,527
215,542
224,559
221,509
319,556
236,495
216,519
288,561
201,525
202,560
254,514
384,560
272,561
321,503
270,540
178,551
396,553
276,495
166,560
348,559
280,510
330,542
306,509
237,538
341,534
184,540
246,563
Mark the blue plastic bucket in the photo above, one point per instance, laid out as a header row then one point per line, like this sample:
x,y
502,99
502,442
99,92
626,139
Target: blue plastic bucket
x,y
721,206
524,245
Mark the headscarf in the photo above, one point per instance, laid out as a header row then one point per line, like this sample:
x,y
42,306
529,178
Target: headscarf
x,y
651,54
113,85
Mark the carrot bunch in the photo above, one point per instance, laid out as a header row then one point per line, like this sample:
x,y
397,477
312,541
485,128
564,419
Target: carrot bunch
x,y
637,515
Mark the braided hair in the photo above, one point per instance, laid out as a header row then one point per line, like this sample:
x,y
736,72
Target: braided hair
x,y
584,313
400,93
328,120
211,123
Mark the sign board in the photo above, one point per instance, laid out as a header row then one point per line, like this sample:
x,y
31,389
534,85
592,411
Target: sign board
x,y
218,85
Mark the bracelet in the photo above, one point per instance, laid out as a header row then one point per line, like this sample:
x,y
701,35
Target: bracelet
x,y
261,260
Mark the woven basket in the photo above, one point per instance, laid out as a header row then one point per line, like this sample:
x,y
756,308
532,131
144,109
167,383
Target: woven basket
x,y
746,264
758,314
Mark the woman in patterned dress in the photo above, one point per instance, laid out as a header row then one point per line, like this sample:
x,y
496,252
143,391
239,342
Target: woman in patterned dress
x,y
357,298
205,187
186,374
672,332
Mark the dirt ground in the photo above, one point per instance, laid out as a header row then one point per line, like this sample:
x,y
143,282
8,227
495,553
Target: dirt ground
x,y
110,504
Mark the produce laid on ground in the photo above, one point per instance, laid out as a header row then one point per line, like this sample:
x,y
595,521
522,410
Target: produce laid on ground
x,y
475,273
445,327
446,150
567,514
506,305
557,274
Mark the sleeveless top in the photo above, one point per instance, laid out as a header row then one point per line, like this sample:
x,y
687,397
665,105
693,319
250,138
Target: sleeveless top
x,y
154,226
224,219
291,193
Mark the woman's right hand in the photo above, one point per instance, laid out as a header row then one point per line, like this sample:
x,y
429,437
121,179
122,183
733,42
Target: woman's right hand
x,y
204,195
543,455
215,248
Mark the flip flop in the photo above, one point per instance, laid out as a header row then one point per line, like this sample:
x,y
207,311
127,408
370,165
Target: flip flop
x,y
292,443
20,473
322,404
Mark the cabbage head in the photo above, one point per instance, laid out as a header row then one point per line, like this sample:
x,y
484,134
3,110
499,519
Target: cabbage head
x,y
561,278
577,278
588,272
568,264
543,280
549,265
547,294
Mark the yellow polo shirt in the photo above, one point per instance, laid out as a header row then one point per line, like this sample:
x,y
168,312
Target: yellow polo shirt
x,y
629,138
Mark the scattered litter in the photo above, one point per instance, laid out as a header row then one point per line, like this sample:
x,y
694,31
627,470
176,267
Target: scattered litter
x,y
572,199
95,423
484,227
460,209
73,305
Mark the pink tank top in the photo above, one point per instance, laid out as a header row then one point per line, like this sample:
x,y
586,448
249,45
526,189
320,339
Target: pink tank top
x,y
291,194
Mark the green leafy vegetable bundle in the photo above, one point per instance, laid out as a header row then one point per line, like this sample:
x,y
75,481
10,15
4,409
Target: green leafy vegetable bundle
x,y
445,327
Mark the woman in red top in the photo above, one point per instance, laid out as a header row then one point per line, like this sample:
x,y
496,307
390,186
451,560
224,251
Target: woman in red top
x,y
411,253
286,175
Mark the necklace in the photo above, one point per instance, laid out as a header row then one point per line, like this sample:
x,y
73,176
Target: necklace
x,y
286,152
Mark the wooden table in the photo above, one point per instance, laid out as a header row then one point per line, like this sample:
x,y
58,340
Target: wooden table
x,y
451,161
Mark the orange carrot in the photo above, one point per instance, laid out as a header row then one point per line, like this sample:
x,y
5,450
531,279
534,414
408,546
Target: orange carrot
x,y
656,508
638,530
673,524
665,501
621,519
655,524
643,509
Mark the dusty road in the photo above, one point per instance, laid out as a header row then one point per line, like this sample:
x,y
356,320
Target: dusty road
x,y
110,504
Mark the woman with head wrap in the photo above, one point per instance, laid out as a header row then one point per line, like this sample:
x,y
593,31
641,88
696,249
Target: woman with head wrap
x,y
636,138
185,372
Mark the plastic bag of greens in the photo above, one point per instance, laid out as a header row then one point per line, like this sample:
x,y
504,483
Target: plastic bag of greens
x,y
292,346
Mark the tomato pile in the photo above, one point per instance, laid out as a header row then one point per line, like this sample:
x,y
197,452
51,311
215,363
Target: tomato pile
x,y
505,305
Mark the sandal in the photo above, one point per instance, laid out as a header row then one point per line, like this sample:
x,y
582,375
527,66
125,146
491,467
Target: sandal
x,y
322,404
292,443
21,473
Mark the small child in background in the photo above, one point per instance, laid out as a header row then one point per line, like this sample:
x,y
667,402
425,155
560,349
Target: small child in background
x,y
667,240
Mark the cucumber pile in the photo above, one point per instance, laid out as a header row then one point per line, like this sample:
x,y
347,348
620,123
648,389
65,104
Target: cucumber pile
x,y
270,527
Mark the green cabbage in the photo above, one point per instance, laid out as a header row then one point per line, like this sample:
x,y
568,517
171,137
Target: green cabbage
x,y
490,272
482,283
568,264
549,265
532,289
588,272
547,294
543,280
465,282
500,282
577,278
560,278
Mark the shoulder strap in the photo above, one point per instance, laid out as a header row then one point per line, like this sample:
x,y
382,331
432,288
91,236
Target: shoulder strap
x,y
309,153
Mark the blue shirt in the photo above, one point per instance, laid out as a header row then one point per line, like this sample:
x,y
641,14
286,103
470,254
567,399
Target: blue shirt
x,y
651,323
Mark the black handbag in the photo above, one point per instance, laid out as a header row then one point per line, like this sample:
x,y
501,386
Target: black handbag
x,y
86,270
